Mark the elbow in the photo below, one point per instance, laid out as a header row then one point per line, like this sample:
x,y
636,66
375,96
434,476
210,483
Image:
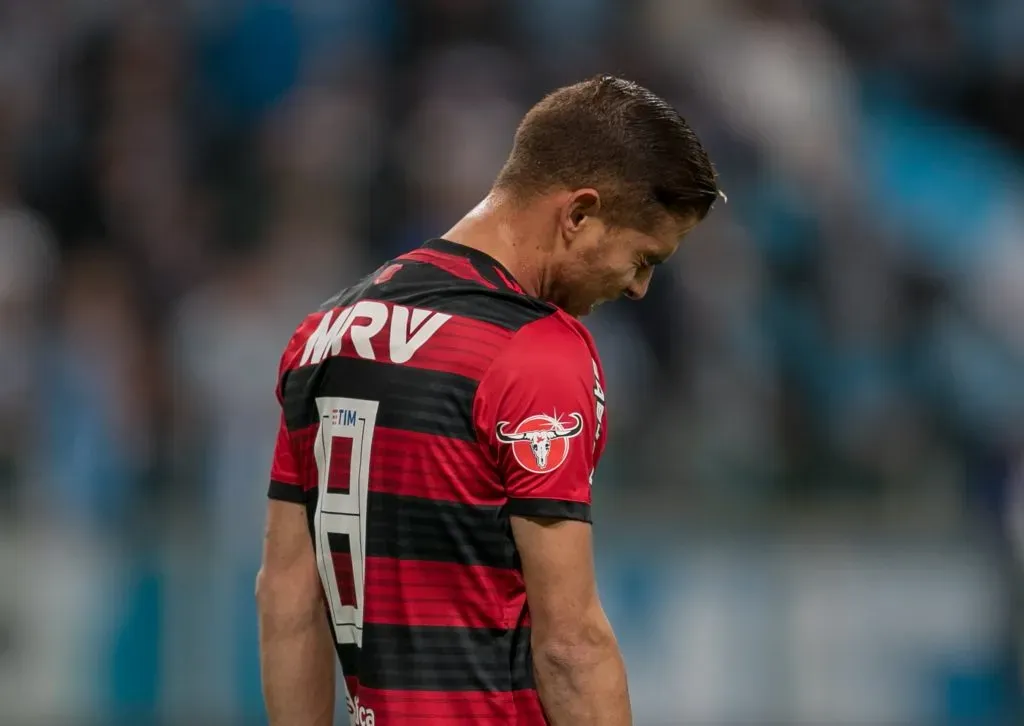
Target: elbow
x,y
262,590
575,646
264,586
291,603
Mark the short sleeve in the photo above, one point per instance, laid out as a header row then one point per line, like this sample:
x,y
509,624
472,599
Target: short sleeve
x,y
285,483
538,412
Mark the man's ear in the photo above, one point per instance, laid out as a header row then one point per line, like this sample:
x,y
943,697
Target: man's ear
x,y
579,209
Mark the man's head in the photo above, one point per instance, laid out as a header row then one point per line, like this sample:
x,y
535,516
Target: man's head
x,y
623,179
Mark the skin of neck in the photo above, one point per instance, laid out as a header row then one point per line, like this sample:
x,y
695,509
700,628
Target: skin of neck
x,y
518,235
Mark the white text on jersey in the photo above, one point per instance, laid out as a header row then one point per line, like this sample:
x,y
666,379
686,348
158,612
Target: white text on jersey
x,y
599,401
598,409
409,329
360,715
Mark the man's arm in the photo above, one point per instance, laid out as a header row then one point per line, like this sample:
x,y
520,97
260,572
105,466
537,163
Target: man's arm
x,y
547,383
579,671
297,656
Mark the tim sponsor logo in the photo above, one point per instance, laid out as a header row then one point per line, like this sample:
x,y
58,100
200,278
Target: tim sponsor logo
x,y
343,417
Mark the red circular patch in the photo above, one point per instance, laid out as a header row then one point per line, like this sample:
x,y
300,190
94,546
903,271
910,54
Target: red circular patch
x,y
540,443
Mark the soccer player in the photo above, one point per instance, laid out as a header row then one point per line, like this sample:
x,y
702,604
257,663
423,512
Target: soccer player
x,y
441,422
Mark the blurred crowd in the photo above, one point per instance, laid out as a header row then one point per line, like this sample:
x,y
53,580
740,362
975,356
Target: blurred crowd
x,y
181,181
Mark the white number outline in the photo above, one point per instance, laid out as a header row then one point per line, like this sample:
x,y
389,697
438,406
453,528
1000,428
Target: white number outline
x,y
340,513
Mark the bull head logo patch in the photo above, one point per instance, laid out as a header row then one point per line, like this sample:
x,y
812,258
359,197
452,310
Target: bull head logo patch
x,y
540,443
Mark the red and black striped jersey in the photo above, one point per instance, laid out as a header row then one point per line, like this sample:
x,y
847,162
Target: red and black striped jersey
x,y
420,409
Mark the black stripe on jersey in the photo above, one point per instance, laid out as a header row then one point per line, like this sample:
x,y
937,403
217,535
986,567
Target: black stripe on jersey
x,y
484,264
411,399
287,492
348,654
339,543
411,528
551,508
421,285
423,658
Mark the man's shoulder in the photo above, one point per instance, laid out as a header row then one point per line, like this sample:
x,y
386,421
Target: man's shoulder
x,y
529,332
557,334
550,346
294,349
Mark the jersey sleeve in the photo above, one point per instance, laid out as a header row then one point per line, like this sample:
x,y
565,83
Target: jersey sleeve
x,y
537,411
286,481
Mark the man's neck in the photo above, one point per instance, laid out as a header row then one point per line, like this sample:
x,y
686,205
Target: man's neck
x,y
508,234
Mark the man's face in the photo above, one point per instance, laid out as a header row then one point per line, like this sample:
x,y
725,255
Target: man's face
x,y
602,263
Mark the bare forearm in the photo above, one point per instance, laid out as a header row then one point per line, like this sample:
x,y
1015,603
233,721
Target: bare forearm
x,y
583,686
297,662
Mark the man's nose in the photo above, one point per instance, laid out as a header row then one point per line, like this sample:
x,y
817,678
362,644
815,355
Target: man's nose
x,y
638,287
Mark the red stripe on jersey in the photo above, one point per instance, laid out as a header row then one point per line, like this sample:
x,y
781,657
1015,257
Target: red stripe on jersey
x,y
528,708
512,284
387,274
437,708
452,264
479,331
442,594
462,346
430,467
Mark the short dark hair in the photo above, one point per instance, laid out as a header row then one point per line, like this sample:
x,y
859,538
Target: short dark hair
x,y
619,138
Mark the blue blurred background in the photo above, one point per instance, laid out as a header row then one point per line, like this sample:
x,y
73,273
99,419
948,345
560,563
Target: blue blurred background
x,y
812,507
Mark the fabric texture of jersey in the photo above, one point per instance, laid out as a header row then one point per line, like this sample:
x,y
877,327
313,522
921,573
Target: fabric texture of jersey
x,y
420,409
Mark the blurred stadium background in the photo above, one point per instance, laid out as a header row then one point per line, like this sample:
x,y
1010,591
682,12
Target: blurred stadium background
x,y
812,508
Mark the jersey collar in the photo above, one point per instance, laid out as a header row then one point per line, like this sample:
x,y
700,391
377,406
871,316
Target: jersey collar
x,y
488,267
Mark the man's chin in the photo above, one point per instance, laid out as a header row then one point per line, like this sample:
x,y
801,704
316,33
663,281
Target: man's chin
x,y
581,310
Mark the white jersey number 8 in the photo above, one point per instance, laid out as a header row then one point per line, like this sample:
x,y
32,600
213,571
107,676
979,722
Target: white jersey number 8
x,y
342,451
